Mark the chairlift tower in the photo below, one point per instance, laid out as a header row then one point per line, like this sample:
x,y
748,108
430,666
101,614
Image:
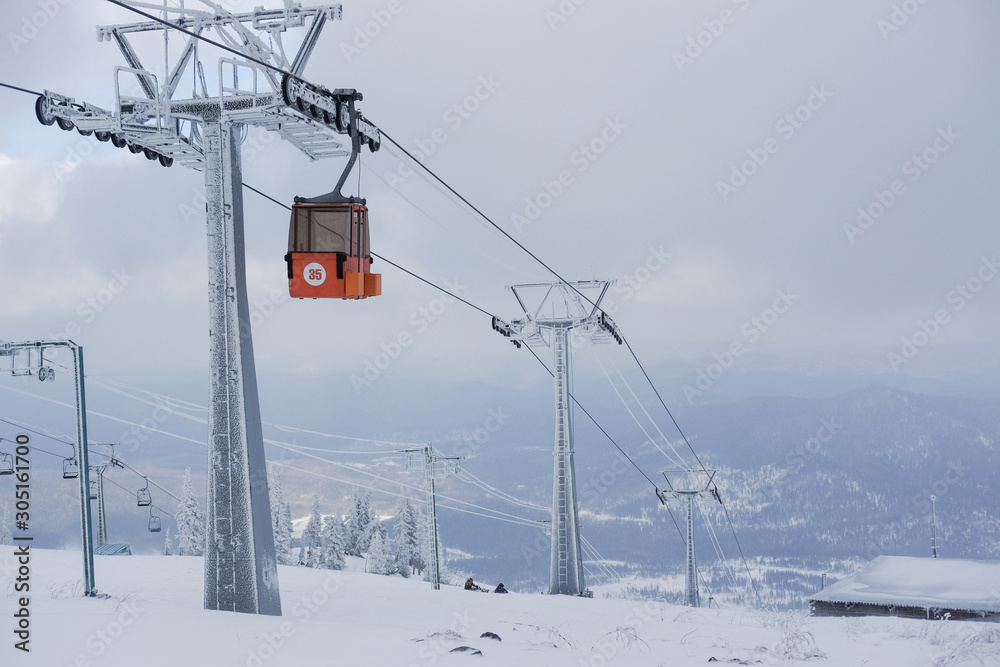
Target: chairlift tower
x,y
102,515
686,485
436,466
35,353
934,539
204,132
554,313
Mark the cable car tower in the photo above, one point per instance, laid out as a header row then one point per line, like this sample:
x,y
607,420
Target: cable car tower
x,y
553,313
686,485
436,466
261,87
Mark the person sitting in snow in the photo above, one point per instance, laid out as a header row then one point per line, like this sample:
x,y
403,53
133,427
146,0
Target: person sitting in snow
x,y
470,585
501,589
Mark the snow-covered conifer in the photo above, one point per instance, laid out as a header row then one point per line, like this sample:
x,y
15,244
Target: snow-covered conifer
x,y
311,541
358,528
379,559
332,539
407,538
190,523
281,521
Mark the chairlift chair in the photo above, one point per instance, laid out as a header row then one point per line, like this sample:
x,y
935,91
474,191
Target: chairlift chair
x,y
6,464
142,497
71,468
93,489
154,522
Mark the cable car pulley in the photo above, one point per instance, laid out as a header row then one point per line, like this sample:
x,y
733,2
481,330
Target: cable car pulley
x,y
328,250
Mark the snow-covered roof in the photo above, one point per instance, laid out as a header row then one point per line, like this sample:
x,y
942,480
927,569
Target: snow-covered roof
x,y
938,583
122,549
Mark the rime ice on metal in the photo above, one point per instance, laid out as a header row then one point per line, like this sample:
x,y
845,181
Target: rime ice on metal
x,y
561,310
203,132
686,485
435,465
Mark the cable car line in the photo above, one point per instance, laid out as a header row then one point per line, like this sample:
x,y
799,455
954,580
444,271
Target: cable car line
x,y
644,411
23,90
95,452
442,182
431,173
41,433
634,418
36,448
355,140
606,434
105,416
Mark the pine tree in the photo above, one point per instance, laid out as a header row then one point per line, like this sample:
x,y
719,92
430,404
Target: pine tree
x,y
424,544
5,536
358,525
311,541
332,539
375,527
379,558
190,524
281,521
168,549
407,538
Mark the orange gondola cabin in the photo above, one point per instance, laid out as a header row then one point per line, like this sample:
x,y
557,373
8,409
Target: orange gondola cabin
x,y
328,253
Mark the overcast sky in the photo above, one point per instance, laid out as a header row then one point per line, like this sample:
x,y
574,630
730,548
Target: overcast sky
x,y
714,157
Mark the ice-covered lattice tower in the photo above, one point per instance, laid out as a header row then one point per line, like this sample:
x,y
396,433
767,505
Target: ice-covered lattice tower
x,y
253,84
553,314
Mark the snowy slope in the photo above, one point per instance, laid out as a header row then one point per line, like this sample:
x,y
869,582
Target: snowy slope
x,y
154,618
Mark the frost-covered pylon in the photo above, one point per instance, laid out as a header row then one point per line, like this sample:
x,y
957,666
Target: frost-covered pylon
x,y
556,314
435,466
204,131
686,485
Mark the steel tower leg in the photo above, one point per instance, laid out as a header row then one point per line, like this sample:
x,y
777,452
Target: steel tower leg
x,y
691,596
240,564
435,540
566,571
83,459
102,517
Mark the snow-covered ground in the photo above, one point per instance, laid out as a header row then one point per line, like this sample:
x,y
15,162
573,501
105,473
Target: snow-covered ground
x,y
154,617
